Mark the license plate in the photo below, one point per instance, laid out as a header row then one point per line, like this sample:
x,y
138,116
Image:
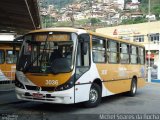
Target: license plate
x,y
37,95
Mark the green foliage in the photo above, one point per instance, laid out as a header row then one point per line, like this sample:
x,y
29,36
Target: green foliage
x,y
134,21
156,11
68,23
59,3
62,24
48,21
94,21
154,4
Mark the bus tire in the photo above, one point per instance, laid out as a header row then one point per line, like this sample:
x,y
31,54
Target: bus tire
x,y
133,88
94,96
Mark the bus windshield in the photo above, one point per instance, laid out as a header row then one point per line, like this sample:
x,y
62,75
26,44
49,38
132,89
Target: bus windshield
x,y
47,53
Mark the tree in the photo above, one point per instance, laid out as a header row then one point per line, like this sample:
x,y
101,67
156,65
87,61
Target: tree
x,y
47,21
134,21
155,7
94,21
156,11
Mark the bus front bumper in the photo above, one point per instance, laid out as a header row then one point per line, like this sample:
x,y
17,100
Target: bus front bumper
x,y
62,97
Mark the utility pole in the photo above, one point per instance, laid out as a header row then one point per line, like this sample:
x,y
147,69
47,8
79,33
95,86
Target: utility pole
x,y
158,73
72,16
149,38
91,13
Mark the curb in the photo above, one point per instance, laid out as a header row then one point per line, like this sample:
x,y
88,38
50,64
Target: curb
x,y
7,82
153,83
6,91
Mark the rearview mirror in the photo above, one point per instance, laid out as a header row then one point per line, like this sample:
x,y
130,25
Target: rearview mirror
x,y
84,40
85,48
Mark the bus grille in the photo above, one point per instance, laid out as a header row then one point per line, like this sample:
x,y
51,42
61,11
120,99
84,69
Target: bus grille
x,y
48,88
28,87
31,87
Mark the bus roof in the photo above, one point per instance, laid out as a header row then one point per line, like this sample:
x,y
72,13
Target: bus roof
x,y
59,29
76,30
113,38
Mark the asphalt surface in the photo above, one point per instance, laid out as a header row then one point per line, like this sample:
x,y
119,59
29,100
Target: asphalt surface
x,y
146,101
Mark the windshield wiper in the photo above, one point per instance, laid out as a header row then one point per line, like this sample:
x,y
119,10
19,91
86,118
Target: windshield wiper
x,y
28,66
45,44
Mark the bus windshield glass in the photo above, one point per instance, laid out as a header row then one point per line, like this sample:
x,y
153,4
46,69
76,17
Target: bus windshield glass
x,y
49,52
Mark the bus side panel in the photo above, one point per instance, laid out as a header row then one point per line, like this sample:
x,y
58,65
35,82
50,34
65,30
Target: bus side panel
x,y
141,82
139,71
82,92
118,86
2,73
117,77
83,84
10,71
7,70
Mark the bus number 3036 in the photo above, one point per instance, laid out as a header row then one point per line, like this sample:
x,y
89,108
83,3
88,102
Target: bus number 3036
x,y
51,82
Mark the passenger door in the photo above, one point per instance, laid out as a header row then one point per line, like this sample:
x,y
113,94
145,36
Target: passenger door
x,y
82,67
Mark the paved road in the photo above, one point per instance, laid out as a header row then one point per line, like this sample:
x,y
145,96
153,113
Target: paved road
x,y
146,101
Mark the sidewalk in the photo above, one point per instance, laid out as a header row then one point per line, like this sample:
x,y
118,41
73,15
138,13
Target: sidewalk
x,y
7,85
155,80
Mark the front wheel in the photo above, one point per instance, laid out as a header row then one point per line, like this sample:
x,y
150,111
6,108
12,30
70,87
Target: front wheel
x,y
94,96
133,88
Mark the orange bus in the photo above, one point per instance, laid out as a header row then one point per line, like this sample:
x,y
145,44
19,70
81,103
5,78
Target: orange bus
x,y
67,65
8,60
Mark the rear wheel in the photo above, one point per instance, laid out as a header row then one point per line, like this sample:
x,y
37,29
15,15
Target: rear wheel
x,y
133,88
94,96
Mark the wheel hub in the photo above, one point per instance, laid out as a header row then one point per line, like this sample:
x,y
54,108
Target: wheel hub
x,y
93,95
134,88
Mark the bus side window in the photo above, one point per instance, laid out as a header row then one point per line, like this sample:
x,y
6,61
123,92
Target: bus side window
x,y
134,54
124,55
141,56
1,56
98,50
113,52
10,57
83,59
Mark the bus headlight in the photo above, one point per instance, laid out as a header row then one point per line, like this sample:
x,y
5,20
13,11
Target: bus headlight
x,y
65,86
21,77
18,84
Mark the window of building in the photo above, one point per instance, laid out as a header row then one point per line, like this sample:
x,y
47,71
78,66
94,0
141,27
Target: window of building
x,y
154,37
98,50
112,52
141,55
139,38
2,57
124,53
125,37
134,55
